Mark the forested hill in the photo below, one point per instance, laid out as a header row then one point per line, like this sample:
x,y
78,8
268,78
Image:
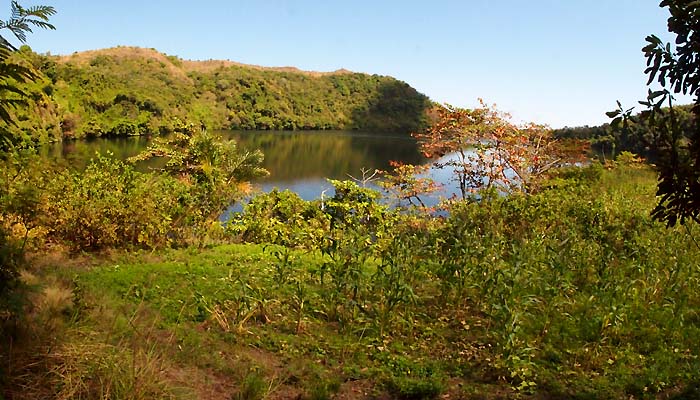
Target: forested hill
x,y
130,91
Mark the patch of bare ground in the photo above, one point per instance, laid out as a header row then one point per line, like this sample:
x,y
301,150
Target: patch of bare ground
x,y
235,362
356,390
208,384
202,384
57,256
276,372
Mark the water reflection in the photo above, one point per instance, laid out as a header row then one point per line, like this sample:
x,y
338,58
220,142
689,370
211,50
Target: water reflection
x,y
78,153
298,156
299,161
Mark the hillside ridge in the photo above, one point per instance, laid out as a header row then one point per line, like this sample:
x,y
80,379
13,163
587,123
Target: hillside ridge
x,y
187,64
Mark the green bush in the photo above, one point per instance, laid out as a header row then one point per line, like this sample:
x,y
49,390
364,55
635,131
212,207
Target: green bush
x,y
21,196
421,388
281,218
111,205
411,380
284,218
576,266
10,257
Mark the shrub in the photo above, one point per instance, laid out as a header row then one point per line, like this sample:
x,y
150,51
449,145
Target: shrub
x,y
111,205
10,256
410,388
281,218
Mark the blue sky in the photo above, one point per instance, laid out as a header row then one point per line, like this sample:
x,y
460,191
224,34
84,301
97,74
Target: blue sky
x,y
559,62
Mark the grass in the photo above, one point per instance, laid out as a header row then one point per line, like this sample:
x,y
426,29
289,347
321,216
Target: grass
x,y
573,294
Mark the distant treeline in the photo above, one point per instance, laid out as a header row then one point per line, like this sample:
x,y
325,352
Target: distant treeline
x,y
636,136
133,91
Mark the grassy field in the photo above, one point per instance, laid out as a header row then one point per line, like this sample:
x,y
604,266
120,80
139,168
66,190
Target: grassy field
x,y
571,293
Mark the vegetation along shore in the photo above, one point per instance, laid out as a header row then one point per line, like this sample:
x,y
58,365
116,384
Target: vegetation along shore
x,y
553,272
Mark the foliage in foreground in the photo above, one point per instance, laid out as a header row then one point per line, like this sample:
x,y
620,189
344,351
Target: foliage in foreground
x,y
670,134
571,284
572,291
15,74
676,71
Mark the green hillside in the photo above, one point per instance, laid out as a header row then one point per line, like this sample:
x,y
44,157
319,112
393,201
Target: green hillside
x,y
132,91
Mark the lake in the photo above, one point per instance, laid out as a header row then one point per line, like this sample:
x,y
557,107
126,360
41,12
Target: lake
x,y
298,161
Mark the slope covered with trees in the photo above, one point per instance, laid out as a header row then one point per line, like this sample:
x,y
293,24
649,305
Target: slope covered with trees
x,y
131,91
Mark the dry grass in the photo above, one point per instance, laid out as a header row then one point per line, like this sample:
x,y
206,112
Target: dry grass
x,y
95,370
61,358
129,52
125,52
55,300
213,65
57,256
28,278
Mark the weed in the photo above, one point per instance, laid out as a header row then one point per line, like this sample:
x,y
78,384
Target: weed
x,y
410,388
253,387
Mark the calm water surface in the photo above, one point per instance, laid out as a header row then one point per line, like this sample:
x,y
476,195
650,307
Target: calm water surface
x,y
303,162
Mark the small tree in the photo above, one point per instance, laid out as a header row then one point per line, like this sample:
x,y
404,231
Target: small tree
x,y
407,183
457,134
215,169
485,150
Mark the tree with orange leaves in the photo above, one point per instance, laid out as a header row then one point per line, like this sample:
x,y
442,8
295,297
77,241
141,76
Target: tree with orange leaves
x,y
408,183
486,151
